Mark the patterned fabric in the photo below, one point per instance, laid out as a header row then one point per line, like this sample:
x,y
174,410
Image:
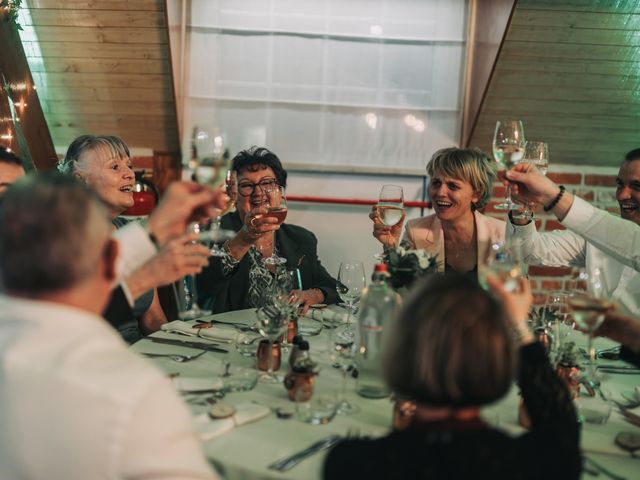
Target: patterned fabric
x,y
260,278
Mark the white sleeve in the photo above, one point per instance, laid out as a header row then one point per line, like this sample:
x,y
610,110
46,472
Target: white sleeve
x,y
615,236
135,248
159,440
554,249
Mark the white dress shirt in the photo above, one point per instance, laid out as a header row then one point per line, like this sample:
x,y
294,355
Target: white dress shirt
x,y
602,250
134,249
75,403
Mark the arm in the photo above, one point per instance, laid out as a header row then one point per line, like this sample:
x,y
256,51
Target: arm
x,y
153,318
558,248
615,236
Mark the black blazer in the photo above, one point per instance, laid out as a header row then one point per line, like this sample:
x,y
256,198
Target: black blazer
x,y
298,245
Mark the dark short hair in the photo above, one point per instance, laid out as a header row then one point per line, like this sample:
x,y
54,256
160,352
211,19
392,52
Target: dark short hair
x,y
256,158
451,345
50,233
7,156
632,155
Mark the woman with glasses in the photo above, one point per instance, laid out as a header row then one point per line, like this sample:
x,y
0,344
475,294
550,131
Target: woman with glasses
x,y
241,278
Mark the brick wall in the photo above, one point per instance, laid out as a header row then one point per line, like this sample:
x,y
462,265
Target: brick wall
x,y
596,185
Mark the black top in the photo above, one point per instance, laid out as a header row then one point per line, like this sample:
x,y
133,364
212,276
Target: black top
x,y
472,450
628,355
298,245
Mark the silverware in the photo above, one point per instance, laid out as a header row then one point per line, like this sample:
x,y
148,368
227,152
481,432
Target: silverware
x,y
620,370
185,343
602,470
291,461
175,356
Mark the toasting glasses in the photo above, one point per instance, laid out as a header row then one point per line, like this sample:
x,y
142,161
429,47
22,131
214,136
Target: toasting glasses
x,y
508,149
536,153
277,208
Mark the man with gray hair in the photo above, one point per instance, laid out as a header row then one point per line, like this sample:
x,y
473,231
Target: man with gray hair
x,y
75,403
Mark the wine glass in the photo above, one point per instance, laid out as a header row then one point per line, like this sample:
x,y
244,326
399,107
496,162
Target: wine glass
x,y
285,282
276,207
351,283
190,287
555,315
508,149
341,351
536,153
207,157
503,261
271,325
588,309
390,205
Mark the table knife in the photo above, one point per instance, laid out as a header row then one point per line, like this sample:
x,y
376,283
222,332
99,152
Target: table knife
x,y
291,461
186,343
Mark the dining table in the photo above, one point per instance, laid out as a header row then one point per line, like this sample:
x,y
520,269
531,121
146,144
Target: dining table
x,y
246,451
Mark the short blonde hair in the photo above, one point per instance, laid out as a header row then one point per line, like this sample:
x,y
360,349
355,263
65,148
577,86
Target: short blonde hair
x,y
451,345
468,164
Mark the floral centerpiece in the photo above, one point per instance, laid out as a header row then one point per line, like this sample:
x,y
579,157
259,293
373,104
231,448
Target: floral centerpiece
x,y
406,265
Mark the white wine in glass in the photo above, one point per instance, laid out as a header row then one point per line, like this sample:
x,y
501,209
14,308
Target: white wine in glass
x,y
390,205
277,208
536,153
508,150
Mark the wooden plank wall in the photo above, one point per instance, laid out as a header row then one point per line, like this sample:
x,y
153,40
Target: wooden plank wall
x,y
571,71
105,69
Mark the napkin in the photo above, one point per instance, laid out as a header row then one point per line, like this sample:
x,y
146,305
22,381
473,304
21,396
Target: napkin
x,y
326,315
193,384
208,429
214,333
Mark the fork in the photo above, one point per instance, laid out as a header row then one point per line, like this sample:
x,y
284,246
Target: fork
x,y
291,461
175,356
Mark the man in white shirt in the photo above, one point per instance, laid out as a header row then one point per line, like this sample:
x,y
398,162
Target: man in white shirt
x,y
75,403
595,239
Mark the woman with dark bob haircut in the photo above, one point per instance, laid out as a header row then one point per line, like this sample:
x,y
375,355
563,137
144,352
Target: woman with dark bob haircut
x,y
453,351
240,279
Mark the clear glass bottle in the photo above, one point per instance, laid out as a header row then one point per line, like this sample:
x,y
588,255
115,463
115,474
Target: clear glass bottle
x,y
378,305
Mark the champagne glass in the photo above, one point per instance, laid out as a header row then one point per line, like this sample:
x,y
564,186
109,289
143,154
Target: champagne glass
x,y
285,282
271,325
503,261
276,207
341,351
508,149
536,153
351,283
588,309
190,287
390,205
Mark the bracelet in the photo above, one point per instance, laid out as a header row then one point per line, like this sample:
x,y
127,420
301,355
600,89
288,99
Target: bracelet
x,y
555,200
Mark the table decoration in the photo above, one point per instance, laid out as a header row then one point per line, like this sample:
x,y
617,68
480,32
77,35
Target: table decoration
x,y
407,265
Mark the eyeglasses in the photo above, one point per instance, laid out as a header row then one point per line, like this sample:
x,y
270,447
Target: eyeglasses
x,y
247,188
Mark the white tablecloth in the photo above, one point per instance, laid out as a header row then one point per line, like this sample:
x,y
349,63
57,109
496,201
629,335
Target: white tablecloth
x,y
246,451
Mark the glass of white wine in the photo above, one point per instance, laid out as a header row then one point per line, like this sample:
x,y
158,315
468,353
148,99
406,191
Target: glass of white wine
x,y
277,208
588,309
390,205
508,150
535,153
351,283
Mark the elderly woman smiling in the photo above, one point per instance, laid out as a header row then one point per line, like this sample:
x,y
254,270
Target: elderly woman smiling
x,y
241,279
104,163
461,183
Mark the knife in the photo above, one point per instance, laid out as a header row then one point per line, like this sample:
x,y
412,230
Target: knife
x,y
291,461
186,343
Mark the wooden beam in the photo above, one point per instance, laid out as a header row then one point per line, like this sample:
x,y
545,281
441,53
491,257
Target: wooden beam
x,y
488,23
15,69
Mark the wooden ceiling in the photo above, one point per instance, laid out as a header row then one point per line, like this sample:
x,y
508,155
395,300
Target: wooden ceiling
x,y
103,67
570,70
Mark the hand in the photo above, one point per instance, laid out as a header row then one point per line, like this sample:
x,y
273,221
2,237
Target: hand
x,y
182,204
620,328
388,236
516,304
257,223
306,298
528,185
178,258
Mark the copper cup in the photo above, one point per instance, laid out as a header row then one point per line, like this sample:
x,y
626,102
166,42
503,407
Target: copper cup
x,y
571,376
299,386
263,354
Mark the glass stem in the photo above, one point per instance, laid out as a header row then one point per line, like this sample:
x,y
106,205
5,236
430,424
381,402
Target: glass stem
x,y
194,293
507,197
349,313
343,389
592,356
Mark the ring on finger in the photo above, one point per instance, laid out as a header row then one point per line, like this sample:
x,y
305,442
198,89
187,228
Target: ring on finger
x,y
252,222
